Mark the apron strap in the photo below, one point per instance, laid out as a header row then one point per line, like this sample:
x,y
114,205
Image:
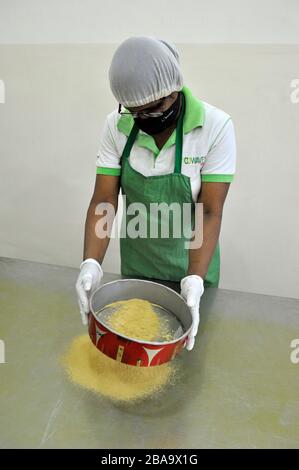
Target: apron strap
x,y
179,139
130,141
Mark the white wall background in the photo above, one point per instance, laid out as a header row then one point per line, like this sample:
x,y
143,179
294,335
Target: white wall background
x,y
241,56
190,21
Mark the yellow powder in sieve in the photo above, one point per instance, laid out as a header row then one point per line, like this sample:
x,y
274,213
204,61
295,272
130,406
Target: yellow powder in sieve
x,y
136,318
93,370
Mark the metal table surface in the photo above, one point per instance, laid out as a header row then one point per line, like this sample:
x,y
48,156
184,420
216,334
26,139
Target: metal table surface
x,y
238,387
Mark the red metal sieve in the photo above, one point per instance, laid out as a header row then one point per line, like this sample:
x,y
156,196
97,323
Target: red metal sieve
x,y
135,351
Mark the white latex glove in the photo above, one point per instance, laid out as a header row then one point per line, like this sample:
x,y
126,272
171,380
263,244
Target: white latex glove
x,y
192,289
89,279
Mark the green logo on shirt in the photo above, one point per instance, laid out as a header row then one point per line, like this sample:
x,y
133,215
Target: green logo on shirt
x,y
193,160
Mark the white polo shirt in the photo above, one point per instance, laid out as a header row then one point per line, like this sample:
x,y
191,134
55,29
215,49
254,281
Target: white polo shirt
x,y
209,148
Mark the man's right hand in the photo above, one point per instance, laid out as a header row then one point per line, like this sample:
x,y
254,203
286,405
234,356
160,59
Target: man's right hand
x,y
88,280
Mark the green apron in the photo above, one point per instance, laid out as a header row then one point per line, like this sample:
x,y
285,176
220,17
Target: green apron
x,y
158,258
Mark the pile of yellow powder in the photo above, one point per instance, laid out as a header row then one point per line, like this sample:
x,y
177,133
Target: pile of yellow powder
x,y
90,368
93,370
137,319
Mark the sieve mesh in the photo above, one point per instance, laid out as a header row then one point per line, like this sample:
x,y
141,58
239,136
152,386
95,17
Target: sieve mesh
x,y
171,327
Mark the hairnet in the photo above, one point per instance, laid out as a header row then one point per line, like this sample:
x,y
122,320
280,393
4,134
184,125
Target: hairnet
x,y
144,69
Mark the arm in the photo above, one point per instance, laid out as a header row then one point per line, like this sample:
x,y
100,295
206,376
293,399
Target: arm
x,y
216,175
213,196
105,191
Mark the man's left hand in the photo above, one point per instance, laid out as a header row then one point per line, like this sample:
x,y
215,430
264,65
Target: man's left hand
x,y
192,288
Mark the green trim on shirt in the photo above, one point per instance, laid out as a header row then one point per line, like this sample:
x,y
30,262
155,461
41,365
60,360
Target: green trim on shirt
x,y
217,178
194,117
108,171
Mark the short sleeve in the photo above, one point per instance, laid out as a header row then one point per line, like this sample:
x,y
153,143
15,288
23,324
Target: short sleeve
x,y
108,158
220,163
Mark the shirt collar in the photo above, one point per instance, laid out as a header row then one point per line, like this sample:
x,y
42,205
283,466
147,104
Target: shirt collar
x,y
194,117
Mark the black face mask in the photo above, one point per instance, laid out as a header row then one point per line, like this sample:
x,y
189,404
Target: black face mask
x,y
155,125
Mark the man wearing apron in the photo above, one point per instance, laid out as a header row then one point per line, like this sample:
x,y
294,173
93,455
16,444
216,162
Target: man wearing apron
x,y
166,147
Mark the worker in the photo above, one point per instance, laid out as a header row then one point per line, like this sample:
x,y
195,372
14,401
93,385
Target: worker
x,y
162,144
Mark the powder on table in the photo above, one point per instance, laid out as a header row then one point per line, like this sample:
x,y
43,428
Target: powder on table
x,y
93,370
137,319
